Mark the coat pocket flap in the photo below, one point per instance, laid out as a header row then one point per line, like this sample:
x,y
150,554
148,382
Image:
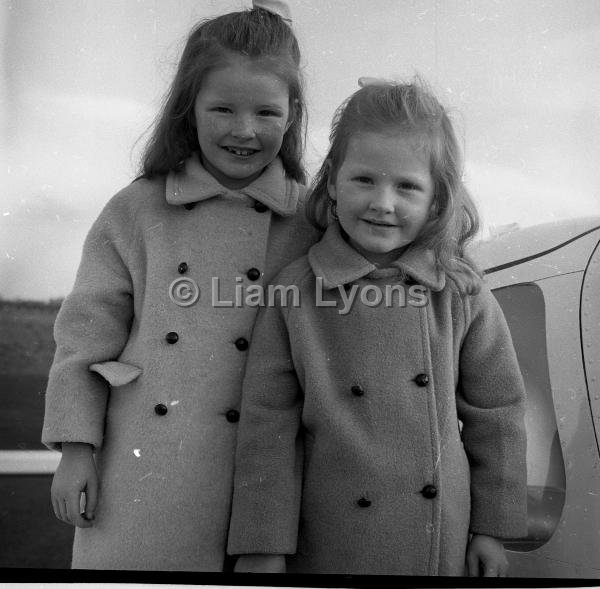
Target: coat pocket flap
x,y
116,373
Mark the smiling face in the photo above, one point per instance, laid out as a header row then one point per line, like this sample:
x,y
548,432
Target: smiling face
x,y
241,114
383,191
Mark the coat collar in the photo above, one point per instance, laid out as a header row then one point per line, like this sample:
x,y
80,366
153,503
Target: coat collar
x,y
338,263
272,188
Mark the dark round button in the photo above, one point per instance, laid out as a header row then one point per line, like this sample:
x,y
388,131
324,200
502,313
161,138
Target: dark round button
x,y
241,344
189,205
421,380
357,390
259,207
232,416
429,491
182,268
253,274
172,337
160,409
363,502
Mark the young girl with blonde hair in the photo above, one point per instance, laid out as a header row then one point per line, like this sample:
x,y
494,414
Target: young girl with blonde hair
x,y
382,427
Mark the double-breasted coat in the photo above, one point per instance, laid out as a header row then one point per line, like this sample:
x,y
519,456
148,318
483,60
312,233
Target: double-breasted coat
x,y
350,456
151,353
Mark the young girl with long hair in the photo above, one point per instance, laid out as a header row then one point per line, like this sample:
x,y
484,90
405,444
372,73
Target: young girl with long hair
x,y
382,426
143,396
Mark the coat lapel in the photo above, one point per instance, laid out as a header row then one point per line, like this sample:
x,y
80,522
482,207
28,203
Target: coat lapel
x,y
338,263
272,188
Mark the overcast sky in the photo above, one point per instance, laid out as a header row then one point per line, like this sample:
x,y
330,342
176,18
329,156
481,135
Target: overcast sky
x,y
80,81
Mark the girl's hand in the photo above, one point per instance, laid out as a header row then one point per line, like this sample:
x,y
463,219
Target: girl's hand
x,y
486,557
260,563
76,474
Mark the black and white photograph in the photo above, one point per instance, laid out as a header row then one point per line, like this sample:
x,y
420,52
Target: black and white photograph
x,y
300,292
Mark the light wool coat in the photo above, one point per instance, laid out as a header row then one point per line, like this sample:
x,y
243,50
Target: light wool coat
x,y
164,431
349,452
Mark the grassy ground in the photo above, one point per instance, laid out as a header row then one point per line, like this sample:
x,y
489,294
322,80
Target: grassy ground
x,y
26,352
26,342
30,535
22,413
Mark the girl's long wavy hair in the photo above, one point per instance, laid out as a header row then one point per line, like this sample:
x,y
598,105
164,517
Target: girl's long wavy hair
x,y
257,34
411,108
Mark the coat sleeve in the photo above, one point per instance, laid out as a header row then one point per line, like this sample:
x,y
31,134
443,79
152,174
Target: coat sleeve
x,y
491,405
92,326
266,498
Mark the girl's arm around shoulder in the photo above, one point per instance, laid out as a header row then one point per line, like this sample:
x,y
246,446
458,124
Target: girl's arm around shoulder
x,y
269,458
491,405
93,323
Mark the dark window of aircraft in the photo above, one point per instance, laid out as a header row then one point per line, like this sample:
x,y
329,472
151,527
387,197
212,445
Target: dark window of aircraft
x,y
525,312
